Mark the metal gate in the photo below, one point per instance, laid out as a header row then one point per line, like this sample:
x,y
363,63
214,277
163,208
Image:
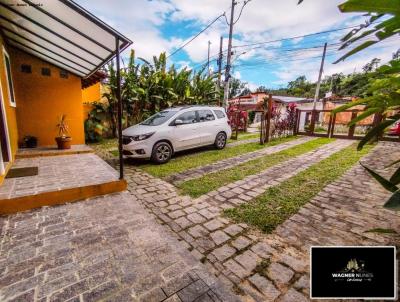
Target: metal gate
x,y
324,123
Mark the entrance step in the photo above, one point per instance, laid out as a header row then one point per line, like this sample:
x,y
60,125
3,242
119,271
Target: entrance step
x,y
52,151
61,179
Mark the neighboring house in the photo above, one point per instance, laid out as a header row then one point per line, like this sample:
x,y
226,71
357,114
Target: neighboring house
x,y
343,118
48,53
254,101
301,104
250,102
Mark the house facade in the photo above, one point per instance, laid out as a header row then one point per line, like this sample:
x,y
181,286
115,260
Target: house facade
x,y
48,54
254,102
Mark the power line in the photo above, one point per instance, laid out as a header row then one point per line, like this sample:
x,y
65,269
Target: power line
x,y
293,49
331,46
198,34
284,39
260,63
241,11
309,48
296,37
278,61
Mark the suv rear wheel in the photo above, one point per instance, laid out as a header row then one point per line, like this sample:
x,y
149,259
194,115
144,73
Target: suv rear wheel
x,y
220,141
162,153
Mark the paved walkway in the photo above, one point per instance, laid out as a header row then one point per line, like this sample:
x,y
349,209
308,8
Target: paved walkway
x,y
107,248
272,267
233,161
242,191
111,249
55,175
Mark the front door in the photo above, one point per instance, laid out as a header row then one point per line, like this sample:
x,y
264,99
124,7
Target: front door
x,y
4,144
186,134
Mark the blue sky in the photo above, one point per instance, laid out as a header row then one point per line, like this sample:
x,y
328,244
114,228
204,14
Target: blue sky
x,y
164,25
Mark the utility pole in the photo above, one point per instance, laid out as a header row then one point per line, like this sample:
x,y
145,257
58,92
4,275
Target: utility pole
x,y
220,57
208,58
319,78
228,60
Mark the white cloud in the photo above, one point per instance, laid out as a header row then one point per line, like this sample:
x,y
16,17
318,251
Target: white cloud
x,y
142,21
260,21
310,68
139,20
252,86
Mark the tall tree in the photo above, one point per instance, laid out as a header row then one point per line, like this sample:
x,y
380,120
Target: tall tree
x,y
236,87
371,66
262,89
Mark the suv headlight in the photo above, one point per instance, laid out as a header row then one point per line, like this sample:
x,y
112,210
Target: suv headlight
x,y
142,137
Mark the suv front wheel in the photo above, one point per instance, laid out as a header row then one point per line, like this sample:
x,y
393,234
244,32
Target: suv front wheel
x,y
162,153
220,141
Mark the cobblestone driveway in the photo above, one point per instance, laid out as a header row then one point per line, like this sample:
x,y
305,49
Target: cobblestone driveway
x,y
233,161
340,214
111,249
106,248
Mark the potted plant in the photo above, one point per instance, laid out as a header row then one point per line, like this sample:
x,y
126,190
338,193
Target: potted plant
x,y
30,141
63,140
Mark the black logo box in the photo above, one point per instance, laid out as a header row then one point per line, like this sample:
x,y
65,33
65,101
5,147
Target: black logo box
x,y
373,277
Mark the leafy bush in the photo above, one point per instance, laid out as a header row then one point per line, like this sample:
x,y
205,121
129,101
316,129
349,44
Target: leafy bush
x,y
94,124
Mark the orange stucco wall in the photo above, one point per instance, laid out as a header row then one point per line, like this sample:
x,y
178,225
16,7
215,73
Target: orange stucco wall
x,y
10,112
90,95
41,100
345,117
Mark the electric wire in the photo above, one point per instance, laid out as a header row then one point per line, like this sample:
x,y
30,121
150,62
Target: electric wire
x,y
296,37
194,37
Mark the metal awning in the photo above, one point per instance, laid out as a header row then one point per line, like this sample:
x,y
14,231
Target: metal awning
x,y
66,35
60,32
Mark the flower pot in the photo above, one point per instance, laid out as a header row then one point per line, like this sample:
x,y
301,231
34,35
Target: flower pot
x,y
63,142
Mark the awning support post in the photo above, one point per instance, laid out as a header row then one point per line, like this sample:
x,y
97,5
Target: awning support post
x,y
121,158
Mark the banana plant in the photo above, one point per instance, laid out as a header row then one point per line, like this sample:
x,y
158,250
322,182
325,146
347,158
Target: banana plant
x,y
150,86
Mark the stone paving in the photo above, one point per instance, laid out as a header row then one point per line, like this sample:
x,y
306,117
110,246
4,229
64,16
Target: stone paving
x,y
52,151
110,249
107,248
261,267
58,173
233,161
244,190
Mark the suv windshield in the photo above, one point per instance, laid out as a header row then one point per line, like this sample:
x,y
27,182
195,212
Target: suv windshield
x,y
159,118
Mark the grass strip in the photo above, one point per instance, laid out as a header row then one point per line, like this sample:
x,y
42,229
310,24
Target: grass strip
x,y
278,203
213,181
182,163
106,143
244,136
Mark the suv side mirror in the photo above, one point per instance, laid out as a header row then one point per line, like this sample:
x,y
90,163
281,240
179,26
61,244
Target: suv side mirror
x,y
178,122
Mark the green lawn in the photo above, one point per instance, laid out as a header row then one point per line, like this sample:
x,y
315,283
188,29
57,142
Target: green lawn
x,y
280,202
195,159
106,144
212,181
243,136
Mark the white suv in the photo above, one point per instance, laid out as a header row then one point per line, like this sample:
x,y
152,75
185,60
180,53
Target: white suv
x,y
176,129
